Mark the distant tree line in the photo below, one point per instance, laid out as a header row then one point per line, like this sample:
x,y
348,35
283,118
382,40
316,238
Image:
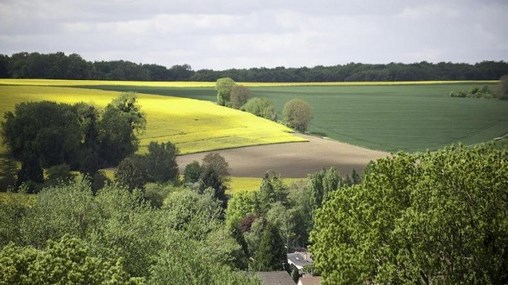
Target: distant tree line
x,y
61,66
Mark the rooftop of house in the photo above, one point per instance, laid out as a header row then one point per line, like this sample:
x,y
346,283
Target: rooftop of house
x,y
275,278
309,280
299,259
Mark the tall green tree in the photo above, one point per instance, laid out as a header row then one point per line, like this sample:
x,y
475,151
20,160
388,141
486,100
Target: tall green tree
x,y
161,162
224,86
321,184
121,121
271,254
239,96
419,219
297,114
132,172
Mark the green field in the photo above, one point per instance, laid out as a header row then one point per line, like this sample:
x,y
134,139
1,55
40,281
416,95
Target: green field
x,y
409,117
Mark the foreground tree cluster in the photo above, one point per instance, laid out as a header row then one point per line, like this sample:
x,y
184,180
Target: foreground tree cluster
x,y
71,235
77,137
61,66
430,218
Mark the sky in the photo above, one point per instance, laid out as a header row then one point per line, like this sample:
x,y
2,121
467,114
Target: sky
x,y
223,34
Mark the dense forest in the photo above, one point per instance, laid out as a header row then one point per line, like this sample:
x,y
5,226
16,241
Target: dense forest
x,y
61,66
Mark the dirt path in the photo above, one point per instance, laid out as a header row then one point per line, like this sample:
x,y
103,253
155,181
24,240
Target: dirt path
x,y
292,159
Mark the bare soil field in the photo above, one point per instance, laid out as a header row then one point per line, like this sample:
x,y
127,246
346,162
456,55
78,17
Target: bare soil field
x,y
292,159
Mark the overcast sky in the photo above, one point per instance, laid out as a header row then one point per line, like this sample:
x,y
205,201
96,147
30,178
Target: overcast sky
x,y
221,34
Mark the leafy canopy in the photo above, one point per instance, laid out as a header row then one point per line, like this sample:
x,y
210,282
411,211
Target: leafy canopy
x,y
422,218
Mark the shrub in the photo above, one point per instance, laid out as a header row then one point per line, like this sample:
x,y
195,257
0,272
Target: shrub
x,y
260,107
239,96
297,114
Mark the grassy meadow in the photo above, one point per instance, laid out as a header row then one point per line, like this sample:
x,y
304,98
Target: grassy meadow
x,y
387,116
193,125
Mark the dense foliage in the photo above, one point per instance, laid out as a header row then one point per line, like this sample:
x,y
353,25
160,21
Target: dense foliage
x,y
157,166
67,261
297,114
117,235
260,107
47,134
224,86
61,66
419,219
239,96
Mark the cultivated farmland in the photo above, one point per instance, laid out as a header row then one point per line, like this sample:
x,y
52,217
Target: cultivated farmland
x,y
192,125
389,117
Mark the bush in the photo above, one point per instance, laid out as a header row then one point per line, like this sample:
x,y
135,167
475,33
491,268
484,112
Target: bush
x,y
239,96
297,114
260,107
502,88
192,172
224,86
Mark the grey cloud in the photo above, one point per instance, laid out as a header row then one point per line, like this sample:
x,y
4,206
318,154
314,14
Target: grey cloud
x,y
224,33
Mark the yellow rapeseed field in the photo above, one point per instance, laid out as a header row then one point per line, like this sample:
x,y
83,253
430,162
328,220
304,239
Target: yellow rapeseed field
x,y
240,184
193,125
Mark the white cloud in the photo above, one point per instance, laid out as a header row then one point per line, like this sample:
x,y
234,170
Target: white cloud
x,y
225,34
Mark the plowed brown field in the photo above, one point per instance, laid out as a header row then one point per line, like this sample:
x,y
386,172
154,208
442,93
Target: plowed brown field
x,y
293,159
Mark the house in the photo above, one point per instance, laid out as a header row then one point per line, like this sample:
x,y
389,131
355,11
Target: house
x,y
299,260
309,280
275,278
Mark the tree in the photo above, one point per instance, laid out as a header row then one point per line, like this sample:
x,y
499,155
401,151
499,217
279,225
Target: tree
x,y
210,179
423,218
239,96
161,163
59,174
297,114
121,122
502,87
260,107
272,190
217,162
321,184
66,261
41,134
271,254
132,172
8,174
224,86
192,172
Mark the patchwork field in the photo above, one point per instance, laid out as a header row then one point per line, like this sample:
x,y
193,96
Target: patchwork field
x,y
410,116
193,125
386,116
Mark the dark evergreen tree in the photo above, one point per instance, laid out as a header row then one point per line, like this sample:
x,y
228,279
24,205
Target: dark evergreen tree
x,y
271,254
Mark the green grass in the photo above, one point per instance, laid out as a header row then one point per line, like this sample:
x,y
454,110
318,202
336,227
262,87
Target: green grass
x,y
384,117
